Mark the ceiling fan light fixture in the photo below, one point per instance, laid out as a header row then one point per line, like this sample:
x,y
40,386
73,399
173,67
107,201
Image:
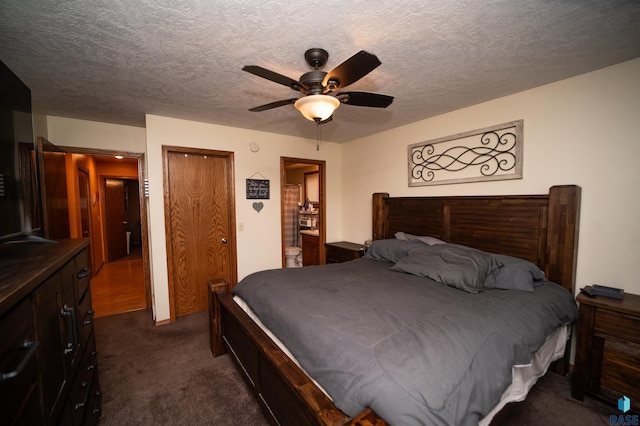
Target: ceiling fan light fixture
x,y
315,107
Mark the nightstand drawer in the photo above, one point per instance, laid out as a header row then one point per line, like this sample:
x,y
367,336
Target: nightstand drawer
x,y
607,360
617,324
620,369
344,251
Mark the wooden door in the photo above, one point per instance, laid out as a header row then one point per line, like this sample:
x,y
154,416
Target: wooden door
x,y
199,211
53,187
85,210
116,218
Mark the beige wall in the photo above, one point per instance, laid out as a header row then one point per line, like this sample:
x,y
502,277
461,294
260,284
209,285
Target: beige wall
x,y
584,130
259,243
92,134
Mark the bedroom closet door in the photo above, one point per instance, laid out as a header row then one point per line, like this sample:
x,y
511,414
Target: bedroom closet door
x,y
200,217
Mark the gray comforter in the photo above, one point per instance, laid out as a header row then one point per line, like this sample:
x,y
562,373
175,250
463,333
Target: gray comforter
x,y
414,350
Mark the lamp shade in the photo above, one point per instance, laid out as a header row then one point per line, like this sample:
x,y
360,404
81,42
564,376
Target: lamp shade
x,y
317,106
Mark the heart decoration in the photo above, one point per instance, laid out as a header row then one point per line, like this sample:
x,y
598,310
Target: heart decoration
x,y
258,206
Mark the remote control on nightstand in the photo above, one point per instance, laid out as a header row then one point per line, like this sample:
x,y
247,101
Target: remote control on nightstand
x,y
603,290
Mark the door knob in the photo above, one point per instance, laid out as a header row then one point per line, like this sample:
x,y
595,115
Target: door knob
x,y
224,240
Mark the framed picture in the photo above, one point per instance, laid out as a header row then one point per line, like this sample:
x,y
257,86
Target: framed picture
x,y
492,153
257,189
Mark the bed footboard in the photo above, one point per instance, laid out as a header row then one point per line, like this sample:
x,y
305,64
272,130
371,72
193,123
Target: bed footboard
x,y
288,396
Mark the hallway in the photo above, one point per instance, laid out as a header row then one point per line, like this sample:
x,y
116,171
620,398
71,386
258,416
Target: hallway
x,y
119,286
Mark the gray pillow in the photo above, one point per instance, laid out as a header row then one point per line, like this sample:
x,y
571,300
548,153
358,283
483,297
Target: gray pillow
x,y
457,266
424,238
391,250
517,274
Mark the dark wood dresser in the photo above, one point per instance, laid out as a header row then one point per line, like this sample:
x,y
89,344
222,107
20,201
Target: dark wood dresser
x,y
344,251
607,361
48,365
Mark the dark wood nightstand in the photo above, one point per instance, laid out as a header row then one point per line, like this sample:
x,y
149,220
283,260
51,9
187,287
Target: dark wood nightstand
x,y
607,361
344,251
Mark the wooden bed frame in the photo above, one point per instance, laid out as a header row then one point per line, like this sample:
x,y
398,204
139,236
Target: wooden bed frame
x,y
539,228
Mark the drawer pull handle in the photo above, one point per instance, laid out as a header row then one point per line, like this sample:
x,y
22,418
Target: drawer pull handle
x,y
70,314
86,396
31,345
84,273
97,410
90,313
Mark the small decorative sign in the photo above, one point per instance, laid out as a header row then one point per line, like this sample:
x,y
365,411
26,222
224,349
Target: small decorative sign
x,y
257,189
492,153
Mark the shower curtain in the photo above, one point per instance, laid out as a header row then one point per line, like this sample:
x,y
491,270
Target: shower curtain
x,y
291,198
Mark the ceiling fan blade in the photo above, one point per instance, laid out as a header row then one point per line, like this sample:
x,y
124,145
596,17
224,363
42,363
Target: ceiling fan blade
x,y
365,99
271,105
351,70
274,76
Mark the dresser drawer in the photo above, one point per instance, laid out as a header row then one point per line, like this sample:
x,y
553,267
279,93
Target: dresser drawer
x,y
618,325
94,408
18,367
83,274
85,318
83,387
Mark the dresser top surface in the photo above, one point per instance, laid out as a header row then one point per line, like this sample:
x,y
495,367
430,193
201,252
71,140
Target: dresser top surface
x,y
24,265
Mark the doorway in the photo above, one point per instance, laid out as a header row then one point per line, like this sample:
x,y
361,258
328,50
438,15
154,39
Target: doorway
x,y
310,175
122,217
115,218
123,285
200,224
84,194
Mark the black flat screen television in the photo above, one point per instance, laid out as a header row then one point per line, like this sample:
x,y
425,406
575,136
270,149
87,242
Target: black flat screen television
x,y
20,215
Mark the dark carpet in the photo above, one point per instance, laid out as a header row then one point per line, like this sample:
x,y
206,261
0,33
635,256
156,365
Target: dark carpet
x,y
166,375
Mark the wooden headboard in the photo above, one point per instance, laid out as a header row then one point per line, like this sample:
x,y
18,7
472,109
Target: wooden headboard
x,y
540,228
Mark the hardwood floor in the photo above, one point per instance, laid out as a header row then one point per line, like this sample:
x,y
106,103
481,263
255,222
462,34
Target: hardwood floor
x,y
119,287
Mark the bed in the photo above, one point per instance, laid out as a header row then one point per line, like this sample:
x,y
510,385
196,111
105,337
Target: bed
x,y
541,229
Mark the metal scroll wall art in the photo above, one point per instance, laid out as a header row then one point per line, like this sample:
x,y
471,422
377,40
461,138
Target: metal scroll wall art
x,y
492,153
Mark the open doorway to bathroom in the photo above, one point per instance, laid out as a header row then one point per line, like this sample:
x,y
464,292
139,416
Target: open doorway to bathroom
x,y
303,219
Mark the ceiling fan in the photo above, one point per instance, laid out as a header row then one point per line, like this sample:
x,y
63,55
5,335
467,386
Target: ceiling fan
x,y
319,87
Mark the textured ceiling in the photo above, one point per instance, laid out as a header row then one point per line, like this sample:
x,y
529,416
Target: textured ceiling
x,y
115,60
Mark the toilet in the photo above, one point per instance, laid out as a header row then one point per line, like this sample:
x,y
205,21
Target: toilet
x,y
293,257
